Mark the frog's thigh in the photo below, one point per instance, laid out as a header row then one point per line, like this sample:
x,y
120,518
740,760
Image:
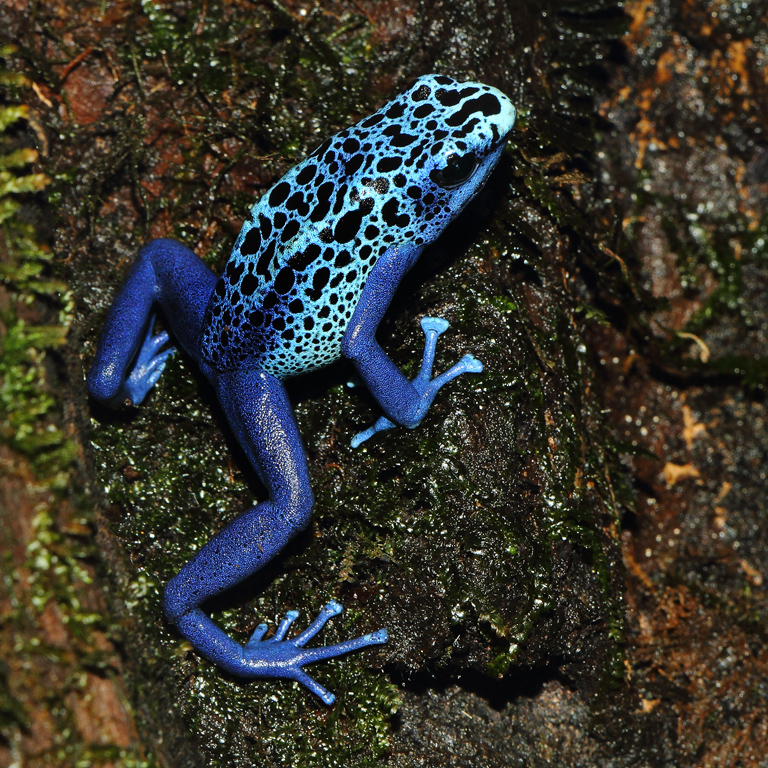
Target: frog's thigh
x,y
262,420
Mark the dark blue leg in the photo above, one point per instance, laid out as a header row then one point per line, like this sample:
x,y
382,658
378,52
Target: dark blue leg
x,y
404,402
129,359
426,387
262,419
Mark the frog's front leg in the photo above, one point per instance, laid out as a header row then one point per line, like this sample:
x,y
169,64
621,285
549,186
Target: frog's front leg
x,y
262,420
130,357
404,402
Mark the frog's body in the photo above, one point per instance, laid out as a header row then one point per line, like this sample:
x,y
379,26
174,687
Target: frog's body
x,y
310,277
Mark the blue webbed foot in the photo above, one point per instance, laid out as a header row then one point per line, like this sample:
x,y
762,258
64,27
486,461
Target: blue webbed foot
x,y
426,386
278,657
150,363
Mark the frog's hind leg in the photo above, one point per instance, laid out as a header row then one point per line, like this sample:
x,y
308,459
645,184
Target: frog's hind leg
x,y
261,418
130,357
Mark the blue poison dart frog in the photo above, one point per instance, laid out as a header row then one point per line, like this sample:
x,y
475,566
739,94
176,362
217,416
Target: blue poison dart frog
x,y
309,279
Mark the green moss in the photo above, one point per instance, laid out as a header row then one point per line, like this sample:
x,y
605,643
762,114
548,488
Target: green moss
x,y
26,403
57,563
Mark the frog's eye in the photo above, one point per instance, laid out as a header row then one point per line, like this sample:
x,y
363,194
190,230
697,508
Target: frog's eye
x,y
458,170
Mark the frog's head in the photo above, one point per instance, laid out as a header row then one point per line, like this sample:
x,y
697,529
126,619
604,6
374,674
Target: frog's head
x,y
466,127
433,148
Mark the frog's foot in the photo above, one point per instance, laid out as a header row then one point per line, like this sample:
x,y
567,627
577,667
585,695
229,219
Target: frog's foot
x,y
426,386
150,363
278,657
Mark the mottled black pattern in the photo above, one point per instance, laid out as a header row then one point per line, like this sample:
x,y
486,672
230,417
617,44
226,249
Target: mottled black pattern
x,y
300,264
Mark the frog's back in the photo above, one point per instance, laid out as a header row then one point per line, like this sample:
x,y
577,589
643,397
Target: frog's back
x,y
301,260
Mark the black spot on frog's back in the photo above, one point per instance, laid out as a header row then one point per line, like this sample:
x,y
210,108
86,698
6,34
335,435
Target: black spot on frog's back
x,y
279,194
285,280
251,243
349,224
392,217
306,174
487,105
300,261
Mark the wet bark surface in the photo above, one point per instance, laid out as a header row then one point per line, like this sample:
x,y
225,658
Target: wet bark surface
x,y
568,553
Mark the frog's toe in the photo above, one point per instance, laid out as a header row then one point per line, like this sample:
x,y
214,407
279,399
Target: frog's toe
x,y
150,363
144,376
309,682
328,611
311,655
436,325
282,630
151,345
382,424
470,364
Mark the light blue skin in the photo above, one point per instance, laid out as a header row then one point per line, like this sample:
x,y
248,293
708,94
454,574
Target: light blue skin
x,y
310,278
